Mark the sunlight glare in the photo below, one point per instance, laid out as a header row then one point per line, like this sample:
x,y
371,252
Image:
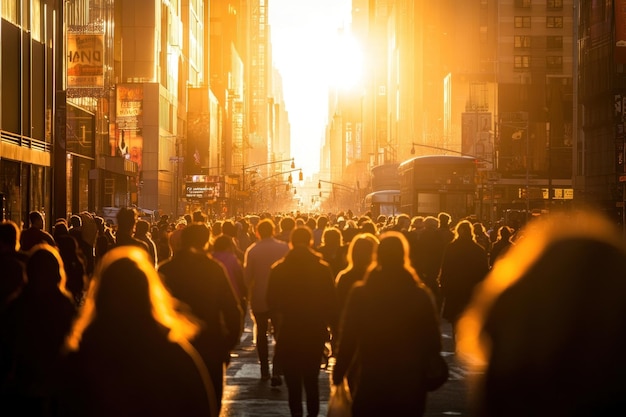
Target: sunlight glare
x,y
346,62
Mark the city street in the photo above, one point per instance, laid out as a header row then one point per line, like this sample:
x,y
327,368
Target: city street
x,y
245,394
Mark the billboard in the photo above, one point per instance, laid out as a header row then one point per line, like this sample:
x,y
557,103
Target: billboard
x,y
85,67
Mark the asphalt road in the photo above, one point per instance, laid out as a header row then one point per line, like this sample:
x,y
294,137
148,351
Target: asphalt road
x,y
246,395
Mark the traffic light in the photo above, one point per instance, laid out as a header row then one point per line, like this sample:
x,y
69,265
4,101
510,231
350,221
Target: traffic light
x,y
300,176
319,185
287,187
290,179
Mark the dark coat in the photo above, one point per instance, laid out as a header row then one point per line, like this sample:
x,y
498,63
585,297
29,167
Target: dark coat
x,y
388,330
201,282
133,371
465,264
301,291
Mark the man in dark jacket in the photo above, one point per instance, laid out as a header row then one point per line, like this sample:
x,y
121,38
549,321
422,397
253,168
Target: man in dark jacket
x,y
200,282
301,293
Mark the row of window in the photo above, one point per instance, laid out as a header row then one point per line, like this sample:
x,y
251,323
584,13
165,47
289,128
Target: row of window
x,y
524,22
550,4
522,62
525,41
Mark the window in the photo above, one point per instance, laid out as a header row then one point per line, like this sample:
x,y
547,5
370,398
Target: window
x,y
523,3
522,61
554,21
522,21
554,42
554,4
554,62
522,41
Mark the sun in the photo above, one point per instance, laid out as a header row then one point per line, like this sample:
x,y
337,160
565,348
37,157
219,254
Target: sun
x,y
346,69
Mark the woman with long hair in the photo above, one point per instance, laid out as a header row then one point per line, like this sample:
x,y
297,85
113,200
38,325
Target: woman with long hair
x,y
129,350
388,333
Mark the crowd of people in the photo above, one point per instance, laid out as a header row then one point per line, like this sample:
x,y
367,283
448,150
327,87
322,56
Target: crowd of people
x,y
139,318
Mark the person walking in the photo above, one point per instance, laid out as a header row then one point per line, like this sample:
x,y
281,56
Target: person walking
x,y
501,245
200,282
34,328
545,333
333,250
129,352
388,333
301,292
258,260
36,233
224,252
142,232
427,254
126,221
465,264
361,252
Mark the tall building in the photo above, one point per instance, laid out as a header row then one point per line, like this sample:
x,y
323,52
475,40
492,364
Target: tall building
x,y
599,167
29,79
491,79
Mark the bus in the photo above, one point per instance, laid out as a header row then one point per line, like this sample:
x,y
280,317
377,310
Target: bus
x,y
385,202
435,183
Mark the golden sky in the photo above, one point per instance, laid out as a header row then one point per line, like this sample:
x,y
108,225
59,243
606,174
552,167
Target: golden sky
x,y
304,33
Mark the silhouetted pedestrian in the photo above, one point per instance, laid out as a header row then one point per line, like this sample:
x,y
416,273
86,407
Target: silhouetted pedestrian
x,y
301,292
501,245
258,260
36,324
126,221
130,353
465,264
388,332
201,283
36,233
545,334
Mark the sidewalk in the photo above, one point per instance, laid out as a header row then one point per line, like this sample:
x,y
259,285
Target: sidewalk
x,y
245,394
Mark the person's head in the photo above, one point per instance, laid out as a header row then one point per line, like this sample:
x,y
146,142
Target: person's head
x,y
142,228
368,226
198,217
505,233
224,243
229,228
393,250
216,228
545,327
403,221
75,221
362,250
100,225
417,223
301,237
332,237
195,236
444,219
464,230
322,222
479,229
9,237
126,219
265,228
36,219
45,269
287,224
431,223
126,290
60,229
